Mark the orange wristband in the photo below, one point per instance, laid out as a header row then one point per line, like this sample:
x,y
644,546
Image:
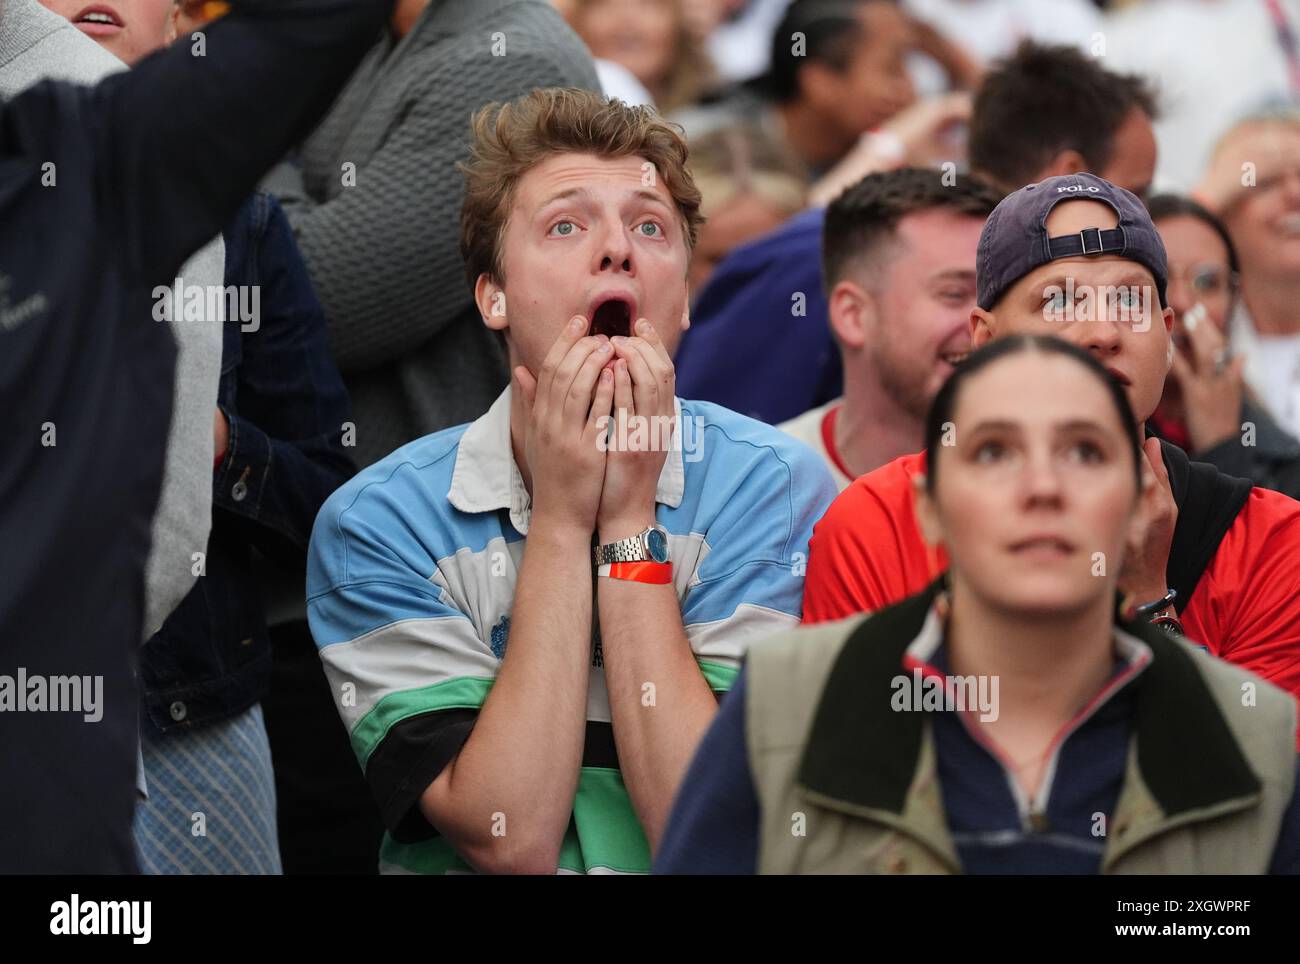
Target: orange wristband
x,y
652,573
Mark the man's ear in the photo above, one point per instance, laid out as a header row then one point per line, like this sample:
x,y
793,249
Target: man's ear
x,y
686,315
491,300
854,314
983,327
818,83
1068,161
927,513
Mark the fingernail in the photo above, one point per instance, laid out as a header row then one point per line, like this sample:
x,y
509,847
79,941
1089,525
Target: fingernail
x,y
578,323
604,347
618,340
606,375
643,327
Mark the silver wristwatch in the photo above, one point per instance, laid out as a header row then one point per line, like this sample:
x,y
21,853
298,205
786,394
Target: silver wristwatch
x,y
650,545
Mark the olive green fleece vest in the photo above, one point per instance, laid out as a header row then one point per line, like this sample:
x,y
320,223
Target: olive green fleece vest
x,y
1223,802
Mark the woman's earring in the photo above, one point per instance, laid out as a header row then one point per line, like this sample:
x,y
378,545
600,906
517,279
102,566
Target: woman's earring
x,y
943,601
1128,607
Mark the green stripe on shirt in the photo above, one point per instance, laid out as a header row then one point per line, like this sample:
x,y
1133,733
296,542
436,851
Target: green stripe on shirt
x,y
604,835
463,692
720,676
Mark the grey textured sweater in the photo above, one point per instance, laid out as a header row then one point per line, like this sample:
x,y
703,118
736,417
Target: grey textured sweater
x,y
37,45
384,254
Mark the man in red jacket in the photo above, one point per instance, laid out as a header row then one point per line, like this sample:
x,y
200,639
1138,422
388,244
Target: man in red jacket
x,y
1219,559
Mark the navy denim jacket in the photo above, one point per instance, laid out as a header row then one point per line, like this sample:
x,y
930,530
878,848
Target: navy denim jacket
x,y
287,408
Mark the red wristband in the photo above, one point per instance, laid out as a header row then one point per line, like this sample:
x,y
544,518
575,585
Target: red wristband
x,y
652,573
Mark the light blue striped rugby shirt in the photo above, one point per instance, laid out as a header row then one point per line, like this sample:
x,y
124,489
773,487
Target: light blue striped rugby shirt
x,y
411,579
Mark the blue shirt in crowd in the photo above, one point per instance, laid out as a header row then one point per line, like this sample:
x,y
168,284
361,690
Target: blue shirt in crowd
x,y
760,340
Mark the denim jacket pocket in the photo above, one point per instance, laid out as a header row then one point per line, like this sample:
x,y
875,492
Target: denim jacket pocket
x,y
212,657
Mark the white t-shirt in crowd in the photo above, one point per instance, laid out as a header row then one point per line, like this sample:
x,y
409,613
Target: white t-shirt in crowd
x,y
742,48
619,82
988,29
1272,369
808,428
1213,62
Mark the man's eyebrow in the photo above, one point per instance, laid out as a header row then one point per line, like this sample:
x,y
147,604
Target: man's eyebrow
x,y
1137,278
1131,276
642,194
566,194
954,274
645,194
1051,281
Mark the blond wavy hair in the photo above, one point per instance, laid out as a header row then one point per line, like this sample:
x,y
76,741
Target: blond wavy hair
x,y
511,139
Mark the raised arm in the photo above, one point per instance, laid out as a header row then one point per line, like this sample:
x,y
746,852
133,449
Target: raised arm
x,y
664,660
505,800
184,137
454,740
523,758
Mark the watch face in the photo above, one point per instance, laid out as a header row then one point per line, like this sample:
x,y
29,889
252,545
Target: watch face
x,y
657,543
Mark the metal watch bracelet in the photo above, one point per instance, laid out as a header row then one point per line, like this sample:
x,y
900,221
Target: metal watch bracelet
x,y
625,550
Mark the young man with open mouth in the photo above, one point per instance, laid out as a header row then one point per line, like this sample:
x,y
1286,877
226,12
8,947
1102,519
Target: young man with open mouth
x,y
527,622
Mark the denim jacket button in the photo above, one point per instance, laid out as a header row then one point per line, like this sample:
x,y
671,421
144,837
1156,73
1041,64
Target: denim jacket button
x,y
239,491
178,711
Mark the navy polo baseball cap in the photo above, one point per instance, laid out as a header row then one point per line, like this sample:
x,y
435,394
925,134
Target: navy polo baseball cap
x,y
1014,241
